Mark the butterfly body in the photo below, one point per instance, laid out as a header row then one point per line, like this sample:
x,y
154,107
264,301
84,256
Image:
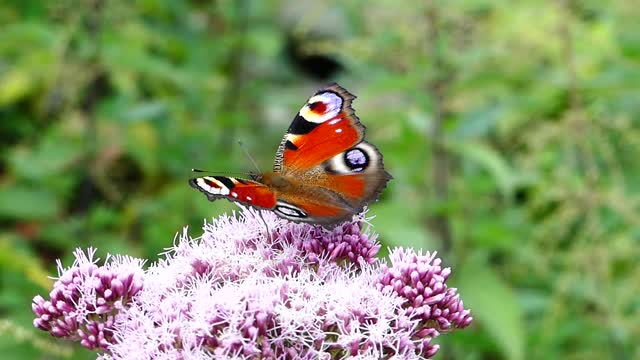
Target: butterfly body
x,y
324,171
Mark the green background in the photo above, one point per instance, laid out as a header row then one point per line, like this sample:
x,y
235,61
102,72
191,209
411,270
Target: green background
x,y
509,126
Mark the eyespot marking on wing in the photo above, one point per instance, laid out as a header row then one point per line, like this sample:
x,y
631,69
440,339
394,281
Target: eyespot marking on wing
x,y
355,160
322,107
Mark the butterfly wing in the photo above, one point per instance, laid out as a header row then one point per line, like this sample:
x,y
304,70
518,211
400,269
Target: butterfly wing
x,y
291,201
243,191
314,206
325,126
324,150
336,190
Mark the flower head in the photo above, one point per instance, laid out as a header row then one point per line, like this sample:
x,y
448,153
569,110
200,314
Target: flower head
x,y
347,243
247,290
86,298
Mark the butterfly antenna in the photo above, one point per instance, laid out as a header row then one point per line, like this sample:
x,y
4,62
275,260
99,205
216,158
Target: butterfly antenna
x,y
224,173
244,149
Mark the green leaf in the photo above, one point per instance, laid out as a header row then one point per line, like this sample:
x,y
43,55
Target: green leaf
x,y
21,202
494,305
52,156
478,123
145,111
16,84
505,177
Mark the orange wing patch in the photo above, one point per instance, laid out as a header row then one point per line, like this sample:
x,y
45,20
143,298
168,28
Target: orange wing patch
x,y
320,210
325,141
350,186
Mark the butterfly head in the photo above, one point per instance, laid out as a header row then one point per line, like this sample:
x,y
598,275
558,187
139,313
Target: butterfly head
x,y
255,176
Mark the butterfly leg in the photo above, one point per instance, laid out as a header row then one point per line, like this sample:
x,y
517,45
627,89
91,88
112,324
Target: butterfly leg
x,y
269,236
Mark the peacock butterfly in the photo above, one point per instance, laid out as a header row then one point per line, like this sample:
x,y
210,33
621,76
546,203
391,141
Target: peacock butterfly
x,y
324,171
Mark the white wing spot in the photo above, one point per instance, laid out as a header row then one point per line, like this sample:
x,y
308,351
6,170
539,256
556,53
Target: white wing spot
x,y
287,211
234,194
338,130
205,186
249,198
335,121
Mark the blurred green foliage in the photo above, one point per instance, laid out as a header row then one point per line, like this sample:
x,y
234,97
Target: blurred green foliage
x,y
510,129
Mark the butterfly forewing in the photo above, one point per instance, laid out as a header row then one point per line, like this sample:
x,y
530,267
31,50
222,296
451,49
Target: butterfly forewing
x,y
325,126
238,190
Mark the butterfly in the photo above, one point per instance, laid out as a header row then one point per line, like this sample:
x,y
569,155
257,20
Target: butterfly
x,y
324,172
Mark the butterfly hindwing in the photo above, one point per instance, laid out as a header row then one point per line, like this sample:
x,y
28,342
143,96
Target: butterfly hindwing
x,y
237,190
320,207
357,174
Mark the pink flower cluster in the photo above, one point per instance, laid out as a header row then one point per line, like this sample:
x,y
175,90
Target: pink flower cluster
x,y
246,290
86,298
420,281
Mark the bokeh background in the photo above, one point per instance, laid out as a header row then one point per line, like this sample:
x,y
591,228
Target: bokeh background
x,y
510,128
